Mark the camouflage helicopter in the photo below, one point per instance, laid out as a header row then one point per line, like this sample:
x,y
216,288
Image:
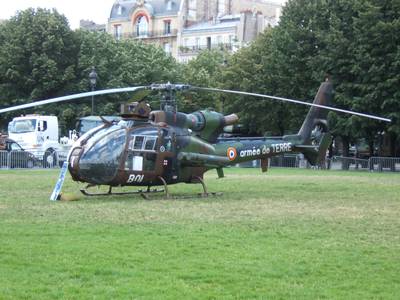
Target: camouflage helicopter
x,y
158,148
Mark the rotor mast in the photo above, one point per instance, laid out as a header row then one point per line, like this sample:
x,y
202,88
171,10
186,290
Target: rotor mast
x,y
168,101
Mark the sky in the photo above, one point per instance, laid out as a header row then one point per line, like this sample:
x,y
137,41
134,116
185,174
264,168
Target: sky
x,y
75,10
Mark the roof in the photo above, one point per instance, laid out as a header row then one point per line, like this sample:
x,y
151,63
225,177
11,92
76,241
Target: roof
x,y
122,9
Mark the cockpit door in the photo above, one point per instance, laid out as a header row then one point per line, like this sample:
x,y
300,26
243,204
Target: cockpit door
x,y
141,153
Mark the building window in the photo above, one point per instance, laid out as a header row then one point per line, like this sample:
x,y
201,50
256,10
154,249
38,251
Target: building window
x,y
169,5
219,40
119,10
221,7
167,48
192,9
142,26
118,31
192,4
167,27
198,43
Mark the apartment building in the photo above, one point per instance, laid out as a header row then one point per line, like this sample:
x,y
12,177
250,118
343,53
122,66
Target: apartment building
x,y
185,27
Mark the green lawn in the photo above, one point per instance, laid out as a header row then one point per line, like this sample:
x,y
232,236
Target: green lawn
x,y
299,234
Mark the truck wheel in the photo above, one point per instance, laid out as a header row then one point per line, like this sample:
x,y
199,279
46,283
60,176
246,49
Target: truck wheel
x,y
50,158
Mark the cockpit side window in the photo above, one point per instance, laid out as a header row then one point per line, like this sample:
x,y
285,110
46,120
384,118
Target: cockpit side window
x,y
138,144
142,153
143,143
150,143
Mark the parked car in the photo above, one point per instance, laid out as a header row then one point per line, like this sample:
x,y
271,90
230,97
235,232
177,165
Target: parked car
x,y
14,156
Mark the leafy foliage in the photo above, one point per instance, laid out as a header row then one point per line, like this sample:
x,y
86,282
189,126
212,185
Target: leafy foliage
x,y
204,71
41,57
354,42
36,56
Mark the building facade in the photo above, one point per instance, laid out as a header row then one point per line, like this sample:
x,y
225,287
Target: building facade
x,y
153,22
185,27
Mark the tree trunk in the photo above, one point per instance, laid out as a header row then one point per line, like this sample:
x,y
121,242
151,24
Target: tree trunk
x,y
345,153
393,139
330,154
371,147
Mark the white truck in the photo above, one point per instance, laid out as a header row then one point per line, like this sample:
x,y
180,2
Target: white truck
x,y
39,135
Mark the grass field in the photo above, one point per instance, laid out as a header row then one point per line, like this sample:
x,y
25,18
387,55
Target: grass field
x,y
299,234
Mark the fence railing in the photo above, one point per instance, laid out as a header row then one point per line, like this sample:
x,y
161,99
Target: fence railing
x,y
26,160
377,164
381,164
149,34
54,159
198,48
347,163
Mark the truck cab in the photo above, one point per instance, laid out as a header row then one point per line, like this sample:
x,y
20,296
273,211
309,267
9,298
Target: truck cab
x,y
38,135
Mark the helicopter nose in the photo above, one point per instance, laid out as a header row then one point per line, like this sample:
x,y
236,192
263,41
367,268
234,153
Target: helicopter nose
x,y
98,162
86,168
73,162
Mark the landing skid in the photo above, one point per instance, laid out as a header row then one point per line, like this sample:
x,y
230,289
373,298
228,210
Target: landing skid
x,y
145,193
111,193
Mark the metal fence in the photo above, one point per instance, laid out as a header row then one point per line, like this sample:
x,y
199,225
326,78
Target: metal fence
x,y
347,163
26,160
377,164
381,164
54,159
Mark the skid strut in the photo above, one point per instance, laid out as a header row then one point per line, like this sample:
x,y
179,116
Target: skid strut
x,y
205,193
165,187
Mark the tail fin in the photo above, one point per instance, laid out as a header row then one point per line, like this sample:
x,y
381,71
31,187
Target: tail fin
x,y
316,115
313,135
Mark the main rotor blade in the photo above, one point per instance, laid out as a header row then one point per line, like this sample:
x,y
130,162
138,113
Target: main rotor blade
x,y
73,97
294,101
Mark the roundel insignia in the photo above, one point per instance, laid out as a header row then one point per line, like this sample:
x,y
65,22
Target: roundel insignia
x,y
231,153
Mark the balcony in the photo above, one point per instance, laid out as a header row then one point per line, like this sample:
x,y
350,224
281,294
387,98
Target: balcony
x,y
191,50
150,34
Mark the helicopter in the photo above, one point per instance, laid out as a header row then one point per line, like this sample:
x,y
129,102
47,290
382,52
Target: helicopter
x,y
158,148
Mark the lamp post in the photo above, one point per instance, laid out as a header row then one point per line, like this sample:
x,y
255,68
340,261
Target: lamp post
x,y
93,81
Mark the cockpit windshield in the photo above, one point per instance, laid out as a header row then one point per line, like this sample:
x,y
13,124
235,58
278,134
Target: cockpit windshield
x,y
103,151
100,135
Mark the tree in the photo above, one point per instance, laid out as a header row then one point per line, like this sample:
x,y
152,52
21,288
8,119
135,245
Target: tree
x,y
41,57
354,42
118,64
204,71
378,57
36,57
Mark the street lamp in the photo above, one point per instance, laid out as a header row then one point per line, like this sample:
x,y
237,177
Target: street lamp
x,y
93,81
